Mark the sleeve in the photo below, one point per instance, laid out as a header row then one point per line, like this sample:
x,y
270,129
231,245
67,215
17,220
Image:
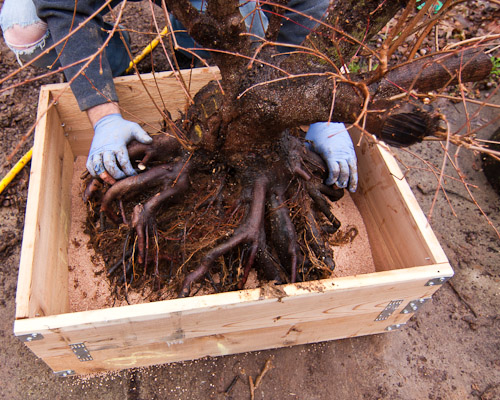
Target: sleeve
x,y
94,85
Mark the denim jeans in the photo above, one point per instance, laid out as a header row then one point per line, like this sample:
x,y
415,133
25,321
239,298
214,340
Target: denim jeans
x,y
295,27
23,13
255,21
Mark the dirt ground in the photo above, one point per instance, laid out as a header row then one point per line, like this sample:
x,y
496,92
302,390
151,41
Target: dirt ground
x,y
450,349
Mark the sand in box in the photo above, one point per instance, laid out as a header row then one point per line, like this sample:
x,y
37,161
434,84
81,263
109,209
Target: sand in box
x,y
89,287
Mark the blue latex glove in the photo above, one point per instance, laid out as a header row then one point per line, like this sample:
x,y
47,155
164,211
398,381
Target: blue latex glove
x,y
108,151
333,143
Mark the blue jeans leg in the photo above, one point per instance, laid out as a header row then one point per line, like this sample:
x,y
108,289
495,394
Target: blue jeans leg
x,y
256,22
297,25
18,14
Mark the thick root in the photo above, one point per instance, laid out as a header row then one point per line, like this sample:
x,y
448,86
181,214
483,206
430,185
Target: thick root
x,y
175,183
284,236
249,232
203,218
128,187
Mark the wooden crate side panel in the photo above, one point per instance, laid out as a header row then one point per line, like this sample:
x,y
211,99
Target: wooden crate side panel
x,y
136,354
137,99
133,326
42,284
398,231
418,216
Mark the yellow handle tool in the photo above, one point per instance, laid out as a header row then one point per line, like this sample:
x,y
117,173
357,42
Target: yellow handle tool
x,y
15,170
148,49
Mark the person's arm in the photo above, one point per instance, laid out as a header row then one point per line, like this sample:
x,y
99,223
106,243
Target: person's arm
x,y
94,88
95,85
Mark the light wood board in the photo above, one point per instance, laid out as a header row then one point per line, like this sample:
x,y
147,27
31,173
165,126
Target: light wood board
x,y
312,311
43,273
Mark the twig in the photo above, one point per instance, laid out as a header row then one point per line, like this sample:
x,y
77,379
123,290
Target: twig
x,y
267,367
462,177
472,40
231,385
441,174
444,96
252,388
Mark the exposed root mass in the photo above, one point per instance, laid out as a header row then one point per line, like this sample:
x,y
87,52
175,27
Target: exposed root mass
x,y
188,218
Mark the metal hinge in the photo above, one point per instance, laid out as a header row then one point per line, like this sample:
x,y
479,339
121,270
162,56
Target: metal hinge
x,y
30,337
394,327
65,373
414,305
437,281
388,310
81,351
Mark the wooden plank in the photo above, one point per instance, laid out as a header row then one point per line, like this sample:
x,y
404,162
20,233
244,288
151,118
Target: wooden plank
x,y
107,359
135,101
399,233
228,313
42,283
411,205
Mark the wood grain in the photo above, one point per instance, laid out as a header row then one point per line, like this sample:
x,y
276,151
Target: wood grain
x,y
43,272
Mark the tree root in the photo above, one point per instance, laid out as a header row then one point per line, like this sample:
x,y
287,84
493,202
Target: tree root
x,y
269,193
174,182
252,231
273,216
127,188
284,236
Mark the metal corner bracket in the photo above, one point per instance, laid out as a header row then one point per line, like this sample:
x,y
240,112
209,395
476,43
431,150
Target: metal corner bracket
x,y
81,351
414,305
65,373
393,327
437,281
30,337
389,310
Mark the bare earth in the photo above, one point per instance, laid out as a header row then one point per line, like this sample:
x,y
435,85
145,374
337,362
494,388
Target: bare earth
x,y
449,350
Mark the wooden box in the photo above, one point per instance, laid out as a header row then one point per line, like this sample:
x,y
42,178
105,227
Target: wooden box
x,y
409,261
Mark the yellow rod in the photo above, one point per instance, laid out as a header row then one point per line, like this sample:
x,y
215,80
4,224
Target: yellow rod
x,y
15,170
148,49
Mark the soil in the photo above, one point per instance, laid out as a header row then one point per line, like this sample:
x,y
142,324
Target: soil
x,y
450,349
89,289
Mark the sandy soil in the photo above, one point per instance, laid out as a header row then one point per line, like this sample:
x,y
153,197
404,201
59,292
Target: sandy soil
x,y
90,290
448,350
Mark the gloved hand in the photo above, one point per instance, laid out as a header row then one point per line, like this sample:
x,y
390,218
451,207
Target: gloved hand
x,y
108,151
333,143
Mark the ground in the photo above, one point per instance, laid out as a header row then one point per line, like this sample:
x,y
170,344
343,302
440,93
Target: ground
x,y
450,349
